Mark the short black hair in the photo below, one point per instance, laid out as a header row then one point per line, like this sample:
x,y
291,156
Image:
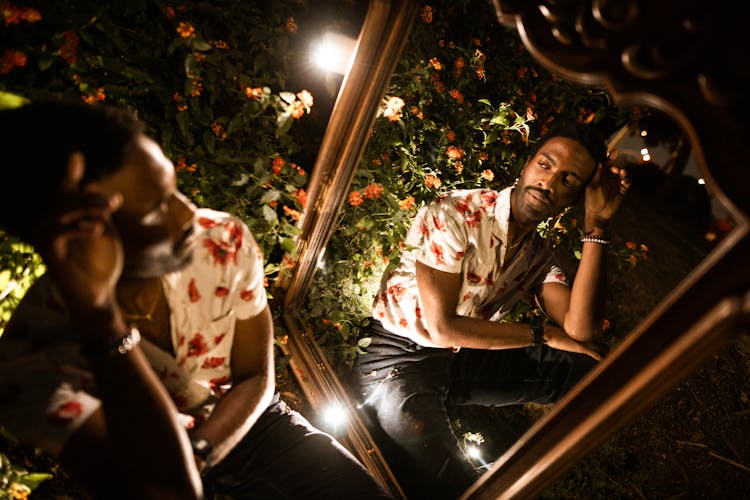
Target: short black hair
x,y
37,140
589,136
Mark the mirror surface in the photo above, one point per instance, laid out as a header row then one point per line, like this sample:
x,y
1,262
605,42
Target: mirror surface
x,y
653,248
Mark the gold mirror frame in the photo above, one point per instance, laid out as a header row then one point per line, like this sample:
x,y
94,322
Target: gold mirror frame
x,y
626,47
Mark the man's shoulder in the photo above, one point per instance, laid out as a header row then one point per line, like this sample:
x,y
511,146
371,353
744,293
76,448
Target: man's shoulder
x,y
475,195
208,217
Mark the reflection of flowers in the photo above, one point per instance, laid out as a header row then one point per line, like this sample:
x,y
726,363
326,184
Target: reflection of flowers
x,y
432,181
454,152
406,203
372,191
393,108
355,198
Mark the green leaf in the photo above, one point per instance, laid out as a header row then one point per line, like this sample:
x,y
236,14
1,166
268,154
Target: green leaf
x,y
9,100
209,140
270,195
269,213
34,479
287,97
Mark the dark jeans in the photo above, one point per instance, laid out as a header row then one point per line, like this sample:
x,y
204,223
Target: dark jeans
x,y
408,387
284,457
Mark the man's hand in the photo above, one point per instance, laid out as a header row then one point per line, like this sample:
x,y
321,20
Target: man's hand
x,y
79,243
604,195
556,338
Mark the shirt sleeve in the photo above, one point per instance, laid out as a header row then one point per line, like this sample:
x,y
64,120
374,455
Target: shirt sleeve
x,y
556,275
250,291
440,234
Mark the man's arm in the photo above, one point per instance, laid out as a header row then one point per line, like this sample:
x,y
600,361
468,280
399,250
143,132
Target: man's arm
x,y
581,310
252,389
439,294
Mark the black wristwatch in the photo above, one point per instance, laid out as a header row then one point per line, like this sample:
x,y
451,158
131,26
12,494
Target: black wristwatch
x,y
537,334
201,447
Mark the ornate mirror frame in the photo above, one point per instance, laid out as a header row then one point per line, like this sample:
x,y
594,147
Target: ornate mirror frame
x,y
686,59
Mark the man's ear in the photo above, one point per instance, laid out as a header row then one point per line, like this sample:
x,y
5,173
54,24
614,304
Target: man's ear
x,y
74,171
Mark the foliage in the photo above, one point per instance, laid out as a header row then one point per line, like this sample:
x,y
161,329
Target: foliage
x,y
209,81
16,482
461,111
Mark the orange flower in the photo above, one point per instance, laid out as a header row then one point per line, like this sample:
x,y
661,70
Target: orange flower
x,y
297,110
14,15
11,59
432,181
185,30
458,66
606,325
254,92
488,174
393,108
218,130
407,203
197,87
291,26
459,166
436,64
169,12
630,245
220,44
355,198
294,214
306,98
415,111
287,261
454,152
482,156
480,73
97,96
450,135
373,191
301,197
426,14
457,95
278,163
182,165
644,248
69,47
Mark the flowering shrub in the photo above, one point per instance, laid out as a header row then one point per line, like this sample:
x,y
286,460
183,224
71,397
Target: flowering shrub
x,y
463,107
208,82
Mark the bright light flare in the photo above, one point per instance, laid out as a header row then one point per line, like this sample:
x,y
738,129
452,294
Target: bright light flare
x,y
333,52
473,452
334,415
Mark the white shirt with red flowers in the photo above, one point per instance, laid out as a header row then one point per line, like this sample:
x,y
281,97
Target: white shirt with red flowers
x,y
464,232
46,390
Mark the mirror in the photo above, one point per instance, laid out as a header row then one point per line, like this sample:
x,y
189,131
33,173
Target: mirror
x,y
698,308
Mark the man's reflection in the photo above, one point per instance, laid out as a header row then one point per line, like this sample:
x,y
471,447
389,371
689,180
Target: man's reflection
x,y
470,256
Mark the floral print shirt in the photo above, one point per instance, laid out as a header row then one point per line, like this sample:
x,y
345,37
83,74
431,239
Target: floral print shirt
x,y
46,391
464,232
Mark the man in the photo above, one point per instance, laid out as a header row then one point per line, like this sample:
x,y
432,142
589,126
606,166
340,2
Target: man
x,y
143,359
436,333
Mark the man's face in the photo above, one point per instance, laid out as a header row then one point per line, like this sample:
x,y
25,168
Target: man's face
x,y
551,180
156,222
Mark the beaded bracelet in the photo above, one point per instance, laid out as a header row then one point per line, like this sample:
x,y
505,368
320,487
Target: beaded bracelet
x,y
594,239
120,346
